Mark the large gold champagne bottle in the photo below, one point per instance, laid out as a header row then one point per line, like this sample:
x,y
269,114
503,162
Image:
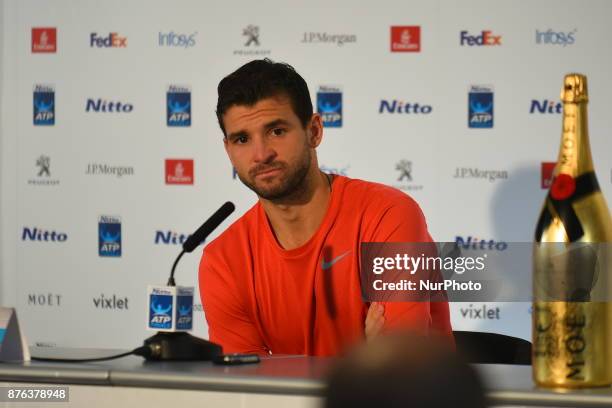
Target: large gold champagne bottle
x,y
572,329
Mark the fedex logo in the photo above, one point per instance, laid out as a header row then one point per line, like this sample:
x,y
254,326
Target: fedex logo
x,y
485,38
112,40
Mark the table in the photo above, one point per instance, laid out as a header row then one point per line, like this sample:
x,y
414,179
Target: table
x,y
277,381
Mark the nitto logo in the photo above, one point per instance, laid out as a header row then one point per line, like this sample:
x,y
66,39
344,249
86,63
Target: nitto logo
x,y
486,38
112,40
556,37
545,106
396,106
480,244
172,39
102,105
170,237
38,234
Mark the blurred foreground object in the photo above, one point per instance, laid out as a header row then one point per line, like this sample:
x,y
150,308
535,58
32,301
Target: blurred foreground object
x,y
404,370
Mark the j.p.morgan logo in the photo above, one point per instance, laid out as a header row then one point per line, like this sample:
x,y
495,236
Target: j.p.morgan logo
x,y
101,169
252,42
43,173
326,38
475,173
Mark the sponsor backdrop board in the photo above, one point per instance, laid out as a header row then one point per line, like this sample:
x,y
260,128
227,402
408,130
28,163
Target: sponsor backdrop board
x,y
111,153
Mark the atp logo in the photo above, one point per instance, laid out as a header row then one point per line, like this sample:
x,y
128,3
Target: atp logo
x,y
160,315
44,105
329,105
178,110
480,107
109,236
185,312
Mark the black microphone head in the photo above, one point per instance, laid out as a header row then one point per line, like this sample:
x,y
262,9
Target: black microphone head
x,y
209,226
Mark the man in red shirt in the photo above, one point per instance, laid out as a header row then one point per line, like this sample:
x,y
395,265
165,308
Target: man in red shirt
x,y
284,278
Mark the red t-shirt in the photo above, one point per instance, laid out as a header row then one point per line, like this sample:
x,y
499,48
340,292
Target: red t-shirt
x,y
261,298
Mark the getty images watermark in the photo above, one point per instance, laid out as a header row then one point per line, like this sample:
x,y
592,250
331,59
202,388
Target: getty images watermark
x,y
516,272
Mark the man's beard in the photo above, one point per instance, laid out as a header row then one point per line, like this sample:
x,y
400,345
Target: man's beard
x,y
291,184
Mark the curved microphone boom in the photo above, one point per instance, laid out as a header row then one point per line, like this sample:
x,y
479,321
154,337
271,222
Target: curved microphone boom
x,y
202,233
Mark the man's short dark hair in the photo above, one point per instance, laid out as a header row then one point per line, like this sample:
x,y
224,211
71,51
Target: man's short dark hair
x,y
261,79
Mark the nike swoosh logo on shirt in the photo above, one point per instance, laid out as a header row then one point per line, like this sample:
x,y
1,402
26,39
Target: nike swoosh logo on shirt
x,y
327,265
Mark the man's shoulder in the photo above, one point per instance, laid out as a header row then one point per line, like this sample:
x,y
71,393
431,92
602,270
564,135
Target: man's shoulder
x,y
370,194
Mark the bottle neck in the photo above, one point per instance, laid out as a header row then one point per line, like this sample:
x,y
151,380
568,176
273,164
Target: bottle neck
x,y
575,151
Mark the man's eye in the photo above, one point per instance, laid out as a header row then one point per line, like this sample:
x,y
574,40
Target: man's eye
x,y
278,131
241,139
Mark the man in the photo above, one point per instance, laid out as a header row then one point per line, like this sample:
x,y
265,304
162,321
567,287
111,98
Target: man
x,y
284,278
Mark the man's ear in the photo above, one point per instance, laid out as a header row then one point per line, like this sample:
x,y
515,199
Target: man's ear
x,y
315,128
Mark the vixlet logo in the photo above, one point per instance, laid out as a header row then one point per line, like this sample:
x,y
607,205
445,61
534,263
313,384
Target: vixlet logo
x,y
326,265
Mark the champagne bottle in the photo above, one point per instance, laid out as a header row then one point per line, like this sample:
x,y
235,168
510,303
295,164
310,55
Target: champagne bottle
x,y
572,329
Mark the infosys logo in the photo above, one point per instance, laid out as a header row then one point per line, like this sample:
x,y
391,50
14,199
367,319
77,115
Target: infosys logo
x,y
112,40
485,38
177,40
550,37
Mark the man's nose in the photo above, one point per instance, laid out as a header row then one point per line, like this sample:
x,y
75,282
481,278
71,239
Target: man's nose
x,y
264,152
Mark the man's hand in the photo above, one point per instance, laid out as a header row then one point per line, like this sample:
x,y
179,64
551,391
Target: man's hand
x,y
374,320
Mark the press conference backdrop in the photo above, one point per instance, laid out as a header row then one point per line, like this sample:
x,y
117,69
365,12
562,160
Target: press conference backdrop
x,y
111,154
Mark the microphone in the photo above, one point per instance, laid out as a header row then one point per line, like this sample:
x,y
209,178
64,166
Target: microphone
x,y
209,226
171,308
202,233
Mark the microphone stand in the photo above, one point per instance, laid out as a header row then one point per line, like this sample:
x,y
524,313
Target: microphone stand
x,y
180,346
